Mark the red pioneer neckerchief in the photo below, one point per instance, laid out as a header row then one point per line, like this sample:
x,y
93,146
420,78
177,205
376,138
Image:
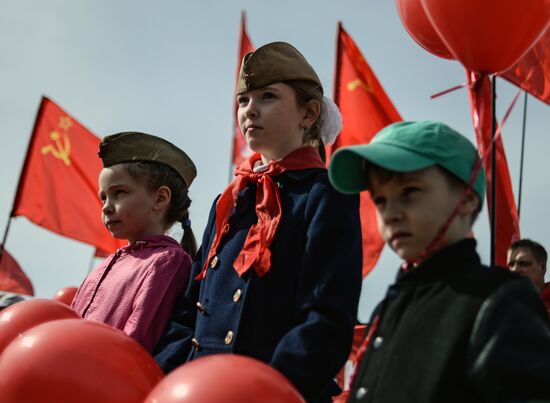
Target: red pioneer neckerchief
x,y
255,252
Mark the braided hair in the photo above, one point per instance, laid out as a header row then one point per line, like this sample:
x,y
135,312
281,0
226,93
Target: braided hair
x,y
156,175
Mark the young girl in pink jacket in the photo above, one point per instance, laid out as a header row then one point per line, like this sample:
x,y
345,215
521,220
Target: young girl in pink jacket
x,y
144,191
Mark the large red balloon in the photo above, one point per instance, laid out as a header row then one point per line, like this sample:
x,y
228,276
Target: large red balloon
x,y
225,378
420,28
76,361
488,36
20,317
66,295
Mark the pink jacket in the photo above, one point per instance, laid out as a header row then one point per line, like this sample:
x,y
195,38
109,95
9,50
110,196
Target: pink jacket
x,y
135,288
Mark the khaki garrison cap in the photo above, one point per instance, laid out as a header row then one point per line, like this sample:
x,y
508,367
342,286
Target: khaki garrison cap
x,y
272,63
136,146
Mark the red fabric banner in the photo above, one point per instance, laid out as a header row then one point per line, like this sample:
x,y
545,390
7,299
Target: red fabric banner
x,y
58,187
344,376
506,213
12,277
532,72
366,109
241,151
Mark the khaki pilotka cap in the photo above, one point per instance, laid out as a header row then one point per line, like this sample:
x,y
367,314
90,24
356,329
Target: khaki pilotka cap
x,y
136,146
272,63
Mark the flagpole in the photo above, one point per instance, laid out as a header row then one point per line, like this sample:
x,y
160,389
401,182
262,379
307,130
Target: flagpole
x,y
27,155
21,175
335,91
493,173
337,67
239,51
4,238
522,151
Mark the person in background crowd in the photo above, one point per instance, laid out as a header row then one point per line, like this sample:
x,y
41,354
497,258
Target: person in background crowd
x,y
528,258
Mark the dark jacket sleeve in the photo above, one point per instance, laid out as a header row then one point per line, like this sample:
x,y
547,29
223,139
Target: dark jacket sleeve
x,y
328,294
174,346
509,357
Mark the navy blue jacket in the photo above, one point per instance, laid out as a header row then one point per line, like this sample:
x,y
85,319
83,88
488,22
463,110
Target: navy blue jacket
x,y
299,317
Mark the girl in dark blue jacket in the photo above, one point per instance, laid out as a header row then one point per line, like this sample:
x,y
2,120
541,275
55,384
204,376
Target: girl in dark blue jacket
x,y
278,275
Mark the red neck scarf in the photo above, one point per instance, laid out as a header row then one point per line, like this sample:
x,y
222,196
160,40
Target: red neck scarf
x,y
255,252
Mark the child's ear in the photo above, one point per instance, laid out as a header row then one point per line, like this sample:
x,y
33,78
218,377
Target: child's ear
x,y
470,205
163,197
312,112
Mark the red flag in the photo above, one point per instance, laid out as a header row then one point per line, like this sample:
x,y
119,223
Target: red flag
x,y
344,376
532,72
366,109
58,187
12,277
241,151
506,214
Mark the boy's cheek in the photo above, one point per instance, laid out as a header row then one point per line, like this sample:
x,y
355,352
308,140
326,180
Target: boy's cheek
x,y
381,226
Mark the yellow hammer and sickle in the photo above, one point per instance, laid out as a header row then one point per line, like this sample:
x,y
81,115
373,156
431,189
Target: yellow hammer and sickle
x,y
358,83
60,149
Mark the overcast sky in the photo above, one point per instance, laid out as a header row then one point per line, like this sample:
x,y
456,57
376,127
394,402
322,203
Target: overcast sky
x,y
168,68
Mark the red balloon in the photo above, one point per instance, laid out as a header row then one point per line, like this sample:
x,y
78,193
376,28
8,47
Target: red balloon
x,y
20,317
66,295
225,378
76,361
488,36
420,28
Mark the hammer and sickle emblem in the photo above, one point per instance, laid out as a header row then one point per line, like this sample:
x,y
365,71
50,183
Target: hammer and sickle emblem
x,y
61,147
358,83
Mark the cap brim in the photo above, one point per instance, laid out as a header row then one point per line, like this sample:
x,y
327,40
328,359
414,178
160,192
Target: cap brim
x,y
346,166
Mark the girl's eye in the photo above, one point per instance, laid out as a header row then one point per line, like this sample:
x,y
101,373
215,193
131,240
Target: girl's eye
x,y
242,100
268,95
119,192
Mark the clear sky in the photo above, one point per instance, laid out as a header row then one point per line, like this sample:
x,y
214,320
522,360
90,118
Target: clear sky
x,y
168,68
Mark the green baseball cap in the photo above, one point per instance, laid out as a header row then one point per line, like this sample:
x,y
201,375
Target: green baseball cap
x,y
406,147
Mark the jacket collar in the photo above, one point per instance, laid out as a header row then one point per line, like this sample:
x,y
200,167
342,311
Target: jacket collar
x,y
444,262
149,242
303,174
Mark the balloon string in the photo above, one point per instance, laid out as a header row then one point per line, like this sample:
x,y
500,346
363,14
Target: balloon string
x,y
522,151
438,240
456,87
505,118
363,347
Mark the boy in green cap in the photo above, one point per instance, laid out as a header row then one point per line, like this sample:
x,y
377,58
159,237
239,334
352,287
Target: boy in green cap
x,y
449,329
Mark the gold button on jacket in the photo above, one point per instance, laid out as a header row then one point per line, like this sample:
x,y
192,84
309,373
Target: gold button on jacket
x,y
237,295
228,337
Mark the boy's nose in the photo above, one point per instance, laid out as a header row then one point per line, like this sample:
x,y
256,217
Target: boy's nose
x,y
392,212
